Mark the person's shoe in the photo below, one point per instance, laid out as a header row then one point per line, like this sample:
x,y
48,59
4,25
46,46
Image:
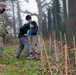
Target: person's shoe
x,y
37,53
31,52
17,57
29,57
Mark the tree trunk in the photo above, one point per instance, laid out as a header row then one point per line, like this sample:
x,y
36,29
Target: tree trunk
x,y
65,15
56,17
19,15
40,15
14,27
2,0
44,27
72,16
49,22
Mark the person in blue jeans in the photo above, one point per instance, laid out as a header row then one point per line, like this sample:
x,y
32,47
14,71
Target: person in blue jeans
x,y
23,39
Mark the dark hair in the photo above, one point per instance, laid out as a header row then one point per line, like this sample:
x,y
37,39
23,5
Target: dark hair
x,y
28,17
33,23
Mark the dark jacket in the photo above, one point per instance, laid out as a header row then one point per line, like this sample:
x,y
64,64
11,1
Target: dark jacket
x,y
35,29
23,30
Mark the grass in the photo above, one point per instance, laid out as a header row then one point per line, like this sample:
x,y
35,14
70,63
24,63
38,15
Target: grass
x,y
9,65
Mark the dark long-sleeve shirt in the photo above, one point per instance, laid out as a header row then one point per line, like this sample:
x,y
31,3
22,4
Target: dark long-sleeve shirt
x,y
23,30
35,29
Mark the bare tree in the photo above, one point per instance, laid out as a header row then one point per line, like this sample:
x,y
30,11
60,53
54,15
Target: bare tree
x,y
14,27
18,13
40,4
2,0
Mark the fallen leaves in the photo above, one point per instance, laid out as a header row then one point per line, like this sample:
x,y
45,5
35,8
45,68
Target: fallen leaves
x,y
2,65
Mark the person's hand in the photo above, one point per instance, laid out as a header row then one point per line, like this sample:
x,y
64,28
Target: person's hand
x,y
26,34
8,34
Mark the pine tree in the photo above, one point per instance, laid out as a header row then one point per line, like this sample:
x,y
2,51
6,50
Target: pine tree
x,y
65,15
44,27
49,21
56,17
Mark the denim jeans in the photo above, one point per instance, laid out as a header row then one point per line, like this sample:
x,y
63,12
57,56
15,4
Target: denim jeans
x,y
23,43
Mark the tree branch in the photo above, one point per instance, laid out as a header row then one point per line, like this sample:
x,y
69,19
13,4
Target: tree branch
x,y
43,1
32,14
27,1
47,4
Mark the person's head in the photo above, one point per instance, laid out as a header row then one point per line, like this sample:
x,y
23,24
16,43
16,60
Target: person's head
x,y
28,18
2,7
32,24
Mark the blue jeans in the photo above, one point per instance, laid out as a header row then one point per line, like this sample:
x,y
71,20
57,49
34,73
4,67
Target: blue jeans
x,y
23,43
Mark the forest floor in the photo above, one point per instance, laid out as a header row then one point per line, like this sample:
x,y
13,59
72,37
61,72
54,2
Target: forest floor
x,y
9,65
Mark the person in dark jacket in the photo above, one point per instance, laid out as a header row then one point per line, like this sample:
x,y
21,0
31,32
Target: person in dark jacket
x,y
23,40
33,29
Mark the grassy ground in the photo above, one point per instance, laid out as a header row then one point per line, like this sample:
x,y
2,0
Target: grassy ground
x,y
9,65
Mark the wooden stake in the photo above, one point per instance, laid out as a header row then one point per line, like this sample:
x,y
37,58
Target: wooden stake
x,y
65,38
61,40
54,36
66,69
74,48
47,57
67,47
56,51
41,51
50,43
61,44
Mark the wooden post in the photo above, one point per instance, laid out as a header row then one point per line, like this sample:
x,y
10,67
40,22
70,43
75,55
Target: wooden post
x,y
61,44
74,48
61,40
38,38
54,36
47,57
67,47
65,38
56,51
66,60
41,53
50,43
55,47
